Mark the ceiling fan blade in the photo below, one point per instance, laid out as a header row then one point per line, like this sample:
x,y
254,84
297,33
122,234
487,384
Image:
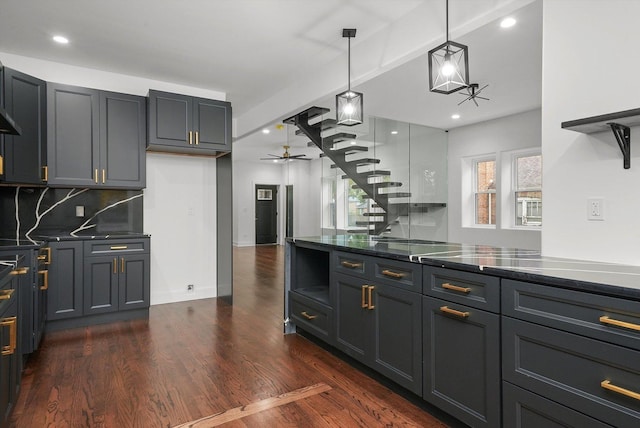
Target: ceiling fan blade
x,y
271,159
476,102
483,98
466,99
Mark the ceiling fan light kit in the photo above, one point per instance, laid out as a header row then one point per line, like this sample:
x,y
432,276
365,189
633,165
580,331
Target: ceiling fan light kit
x,y
448,65
349,110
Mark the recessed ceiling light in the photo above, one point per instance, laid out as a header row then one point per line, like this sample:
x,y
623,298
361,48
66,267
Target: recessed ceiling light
x,y
455,116
265,131
275,160
61,39
353,143
508,22
394,132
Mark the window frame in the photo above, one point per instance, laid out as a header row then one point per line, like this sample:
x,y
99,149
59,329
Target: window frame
x,y
475,192
513,194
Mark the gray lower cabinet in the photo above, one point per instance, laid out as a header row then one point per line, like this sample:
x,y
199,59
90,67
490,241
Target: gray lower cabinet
x,y
95,138
184,124
461,352
9,357
380,325
65,292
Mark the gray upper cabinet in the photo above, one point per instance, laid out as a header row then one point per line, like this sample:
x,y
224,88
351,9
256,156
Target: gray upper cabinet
x,y
183,124
95,139
25,155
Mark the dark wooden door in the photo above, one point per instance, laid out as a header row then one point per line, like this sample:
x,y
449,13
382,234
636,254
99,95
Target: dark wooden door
x,y
101,284
26,102
170,119
212,122
64,299
266,197
122,140
461,355
134,282
73,136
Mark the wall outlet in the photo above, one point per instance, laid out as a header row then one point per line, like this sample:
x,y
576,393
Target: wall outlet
x,y
79,210
190,288
595,209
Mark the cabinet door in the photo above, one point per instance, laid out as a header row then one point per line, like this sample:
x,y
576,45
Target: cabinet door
x,y
64,298
101,284
73,136
25,155
170,119
461,355
9,365
352,320
134,282
122,140
396,348
212,122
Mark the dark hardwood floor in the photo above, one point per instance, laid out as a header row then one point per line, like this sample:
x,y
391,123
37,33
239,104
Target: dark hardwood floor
x,y
204,363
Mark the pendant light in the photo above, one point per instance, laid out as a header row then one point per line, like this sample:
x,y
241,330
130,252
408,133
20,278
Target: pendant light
x,y
448,65
349,103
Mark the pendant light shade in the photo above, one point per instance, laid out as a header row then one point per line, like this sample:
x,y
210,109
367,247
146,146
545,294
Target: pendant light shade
x,y
448,65
349,110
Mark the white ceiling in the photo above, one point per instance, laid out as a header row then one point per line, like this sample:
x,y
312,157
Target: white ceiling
x,y
275,57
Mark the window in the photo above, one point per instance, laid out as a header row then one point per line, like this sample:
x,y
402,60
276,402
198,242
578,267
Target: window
x,y
485,191
528,190
357,204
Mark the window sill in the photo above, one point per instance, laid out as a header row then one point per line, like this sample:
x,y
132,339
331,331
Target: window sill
x,y
481,226
524,228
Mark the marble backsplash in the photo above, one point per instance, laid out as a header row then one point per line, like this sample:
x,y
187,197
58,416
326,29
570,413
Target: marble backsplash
x,y
27,212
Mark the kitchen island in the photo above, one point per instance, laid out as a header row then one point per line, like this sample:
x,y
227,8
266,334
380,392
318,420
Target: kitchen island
x,y
493,336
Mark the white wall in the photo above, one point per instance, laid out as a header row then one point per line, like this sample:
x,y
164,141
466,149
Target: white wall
x,y
591,64
493,137
179,201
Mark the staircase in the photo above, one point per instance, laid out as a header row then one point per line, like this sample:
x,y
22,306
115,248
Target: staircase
x,y
382,212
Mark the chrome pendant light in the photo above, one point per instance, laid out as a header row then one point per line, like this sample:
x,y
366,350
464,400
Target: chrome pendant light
x,y
448,65
349,103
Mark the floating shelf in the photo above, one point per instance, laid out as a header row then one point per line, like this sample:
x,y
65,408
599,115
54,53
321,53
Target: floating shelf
x,y
620,123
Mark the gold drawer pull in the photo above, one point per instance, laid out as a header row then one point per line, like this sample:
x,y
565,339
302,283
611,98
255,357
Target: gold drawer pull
x,y
392,274
364,299
606,384
95,175
307,316
119,247
45,173
45,279
448,310
104,175
351,265
197,138
11,323
370,306
618,323
20,271
46,257
190,138
452,287
6,294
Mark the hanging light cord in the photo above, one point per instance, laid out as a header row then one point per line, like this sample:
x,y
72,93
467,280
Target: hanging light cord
x,y
447,18
349,64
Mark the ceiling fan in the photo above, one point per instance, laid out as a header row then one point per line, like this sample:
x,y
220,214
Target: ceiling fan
x,y
473,94
286,156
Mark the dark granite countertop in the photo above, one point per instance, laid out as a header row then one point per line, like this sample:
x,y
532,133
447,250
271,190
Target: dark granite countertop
x,y
512,263
85,235
7,244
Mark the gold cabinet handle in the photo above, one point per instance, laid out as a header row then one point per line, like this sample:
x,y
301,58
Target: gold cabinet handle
x,y
452,287
118,247
115,265
104,175
190,138
122,264
448,310
45,279
46,257
307,316
350,265
370,306
197,138
618,323
6,294
392,274
1,165
20,271
45,173
95,175
606,384
11,323
364,299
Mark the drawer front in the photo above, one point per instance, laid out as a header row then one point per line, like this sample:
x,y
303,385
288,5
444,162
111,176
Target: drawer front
x,y
8,291
525,409
400,274
472,289
112,246
592,377
350,263
605,318
309,315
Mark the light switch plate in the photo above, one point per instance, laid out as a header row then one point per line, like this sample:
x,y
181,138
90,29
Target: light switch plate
x,y
595,209
79,210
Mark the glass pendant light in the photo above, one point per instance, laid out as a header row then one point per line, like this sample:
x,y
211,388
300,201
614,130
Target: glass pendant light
x,y
349,103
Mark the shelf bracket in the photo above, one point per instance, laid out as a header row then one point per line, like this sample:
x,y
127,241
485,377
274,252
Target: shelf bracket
x,y
623,137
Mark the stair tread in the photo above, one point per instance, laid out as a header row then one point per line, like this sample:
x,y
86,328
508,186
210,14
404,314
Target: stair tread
x,y
371,174
360,162
397,195
349,150
324,125
311,112
374,214
337,137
